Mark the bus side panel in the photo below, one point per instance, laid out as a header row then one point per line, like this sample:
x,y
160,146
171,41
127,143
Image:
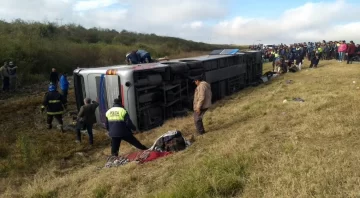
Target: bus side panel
x,y
127,95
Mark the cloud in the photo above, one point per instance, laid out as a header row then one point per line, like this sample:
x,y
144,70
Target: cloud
x,y
92,4
312,21
201,20
37,10
193,25
175,12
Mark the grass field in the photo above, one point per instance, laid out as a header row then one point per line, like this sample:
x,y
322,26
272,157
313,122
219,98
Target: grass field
x,y
256,146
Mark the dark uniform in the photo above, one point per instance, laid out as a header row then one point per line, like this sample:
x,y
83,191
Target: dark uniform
x,y
54,103
119,125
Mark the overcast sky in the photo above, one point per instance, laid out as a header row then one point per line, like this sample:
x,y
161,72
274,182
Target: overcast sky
x,y
210,21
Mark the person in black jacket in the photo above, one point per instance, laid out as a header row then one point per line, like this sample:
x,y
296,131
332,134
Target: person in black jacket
x,y
54,77
86,118
55,106
120,126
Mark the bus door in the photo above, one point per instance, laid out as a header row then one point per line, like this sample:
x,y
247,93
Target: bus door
x,y
106,89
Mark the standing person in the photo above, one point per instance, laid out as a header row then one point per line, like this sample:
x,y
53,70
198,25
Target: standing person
x,y
350,51
55,104
54,77
12,76
64,86
86,118
342,49
202,101
120,127
5,74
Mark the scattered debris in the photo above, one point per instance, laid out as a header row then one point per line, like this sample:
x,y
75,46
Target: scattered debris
x,y
289,81
81,154
298,99
293,99
114,161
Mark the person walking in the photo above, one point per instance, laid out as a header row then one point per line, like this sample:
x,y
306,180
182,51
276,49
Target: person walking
x,y
55,106
120,127
350,52
86,118
5,75
202,101
64,86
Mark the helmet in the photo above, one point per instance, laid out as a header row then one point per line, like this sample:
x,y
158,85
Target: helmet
x,y
52,87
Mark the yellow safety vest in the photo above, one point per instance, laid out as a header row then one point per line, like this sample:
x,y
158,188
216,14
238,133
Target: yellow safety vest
x,y
116,114
276,55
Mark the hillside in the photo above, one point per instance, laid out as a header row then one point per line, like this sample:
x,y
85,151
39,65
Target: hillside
x,y
37,47
256,146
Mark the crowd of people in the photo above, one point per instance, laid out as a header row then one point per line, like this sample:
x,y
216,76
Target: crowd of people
x,y
290,57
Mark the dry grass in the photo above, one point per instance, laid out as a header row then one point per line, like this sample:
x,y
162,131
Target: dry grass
x,y
257,146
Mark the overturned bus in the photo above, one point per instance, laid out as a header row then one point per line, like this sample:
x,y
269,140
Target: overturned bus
x,y
155,92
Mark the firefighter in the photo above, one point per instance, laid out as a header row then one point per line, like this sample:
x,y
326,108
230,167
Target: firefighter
x,y
120,127
55,106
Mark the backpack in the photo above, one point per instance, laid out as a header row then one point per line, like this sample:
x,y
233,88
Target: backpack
x,y
172,141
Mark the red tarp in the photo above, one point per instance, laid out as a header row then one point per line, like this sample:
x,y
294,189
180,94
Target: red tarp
x,y
145,156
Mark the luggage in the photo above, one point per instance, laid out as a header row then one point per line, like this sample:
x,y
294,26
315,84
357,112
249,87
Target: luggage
x,y
172,141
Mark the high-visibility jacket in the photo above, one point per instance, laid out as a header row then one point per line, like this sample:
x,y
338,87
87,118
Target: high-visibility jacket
x,y
118,122
54,103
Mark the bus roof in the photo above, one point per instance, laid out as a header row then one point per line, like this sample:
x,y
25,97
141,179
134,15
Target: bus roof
x,y
213,55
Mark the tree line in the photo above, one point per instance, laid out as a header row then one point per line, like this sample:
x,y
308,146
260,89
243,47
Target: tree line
x,y
36,47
